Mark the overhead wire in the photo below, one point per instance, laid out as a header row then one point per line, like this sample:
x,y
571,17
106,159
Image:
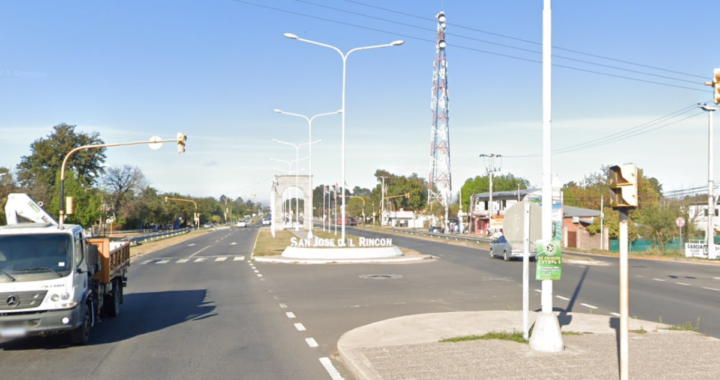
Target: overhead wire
x,y
523,40
462,47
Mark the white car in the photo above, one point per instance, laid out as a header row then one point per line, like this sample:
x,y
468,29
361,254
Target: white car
x,y
241,223
266,222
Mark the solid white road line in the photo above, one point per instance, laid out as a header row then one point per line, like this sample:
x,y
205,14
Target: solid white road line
x,y
239,258
657,279
200,259
290,315
221,259
183,261
283,306
163,262
198,252
334,374
311,342
590,306
615,314
563,298
682,283
299,327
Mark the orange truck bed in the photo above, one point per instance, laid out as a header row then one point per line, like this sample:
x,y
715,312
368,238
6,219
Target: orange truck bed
x,y
114,258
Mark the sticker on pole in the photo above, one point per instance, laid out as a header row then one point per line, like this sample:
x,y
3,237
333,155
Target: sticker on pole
x,y
549,261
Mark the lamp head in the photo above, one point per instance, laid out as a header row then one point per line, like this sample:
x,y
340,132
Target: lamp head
x,y
277,110
397,43
290,36
274,140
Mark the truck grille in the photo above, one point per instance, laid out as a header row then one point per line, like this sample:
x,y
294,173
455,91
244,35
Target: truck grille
x,y
21,300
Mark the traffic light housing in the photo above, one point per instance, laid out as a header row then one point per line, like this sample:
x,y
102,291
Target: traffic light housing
x,y
716,86
623,185
69,206
181,138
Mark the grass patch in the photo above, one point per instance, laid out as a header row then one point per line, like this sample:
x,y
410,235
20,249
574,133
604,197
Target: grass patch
x,y
640,331
268,246
575,333
514,336
688,326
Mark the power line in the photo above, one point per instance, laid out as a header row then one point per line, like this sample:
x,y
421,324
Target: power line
x,y
492,43
524,40
463,47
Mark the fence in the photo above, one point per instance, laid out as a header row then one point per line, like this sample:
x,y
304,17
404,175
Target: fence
x,y
642,245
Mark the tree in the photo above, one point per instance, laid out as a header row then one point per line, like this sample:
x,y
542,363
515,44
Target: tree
x,y
41,168
7,186
120,182
87,201
658,223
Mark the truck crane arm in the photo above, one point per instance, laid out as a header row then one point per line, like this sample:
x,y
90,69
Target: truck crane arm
x,y
20,206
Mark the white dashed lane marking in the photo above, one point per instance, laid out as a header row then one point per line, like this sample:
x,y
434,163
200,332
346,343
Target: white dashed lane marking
x,y
239,258
163,262
221,259
682,283
182,261
563,298
145,262
615,314
259,275
590,306
290,315
334,374
299,327
657,279
200,259
717,290
283,306
311,342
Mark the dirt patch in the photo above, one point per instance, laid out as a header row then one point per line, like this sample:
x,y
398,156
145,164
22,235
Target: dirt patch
x,y
148,247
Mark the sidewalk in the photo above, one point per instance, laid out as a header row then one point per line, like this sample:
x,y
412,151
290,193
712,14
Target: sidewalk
x,y
408,348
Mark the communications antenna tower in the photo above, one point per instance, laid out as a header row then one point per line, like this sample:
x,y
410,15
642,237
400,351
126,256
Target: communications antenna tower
x,y
439,186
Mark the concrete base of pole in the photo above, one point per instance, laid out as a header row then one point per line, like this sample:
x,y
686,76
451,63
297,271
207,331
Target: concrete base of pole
x,y
546,335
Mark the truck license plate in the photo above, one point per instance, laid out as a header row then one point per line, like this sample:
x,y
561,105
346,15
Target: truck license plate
x,y
12,332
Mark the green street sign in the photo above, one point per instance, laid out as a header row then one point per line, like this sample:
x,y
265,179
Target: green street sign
x,y
548,261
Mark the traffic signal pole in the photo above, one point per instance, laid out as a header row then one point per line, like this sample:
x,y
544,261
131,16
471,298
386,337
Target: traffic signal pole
x,y
709,233
624,294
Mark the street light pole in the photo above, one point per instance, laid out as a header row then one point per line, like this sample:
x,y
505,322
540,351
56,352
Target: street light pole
x,y
342,159
710,231
309,120
297,184
491,171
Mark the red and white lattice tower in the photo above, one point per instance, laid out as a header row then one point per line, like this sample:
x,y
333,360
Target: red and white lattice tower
x,y
439,186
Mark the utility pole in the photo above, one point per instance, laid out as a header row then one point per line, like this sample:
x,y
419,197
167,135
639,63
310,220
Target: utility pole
x,y
602,220
382,202
710,230
491,169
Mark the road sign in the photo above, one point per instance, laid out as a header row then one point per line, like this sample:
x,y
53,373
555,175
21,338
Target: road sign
x,y
680,222
549,260
514,222
155,145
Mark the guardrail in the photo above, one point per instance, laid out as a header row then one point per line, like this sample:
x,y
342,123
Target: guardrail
x,y
458,237
135,240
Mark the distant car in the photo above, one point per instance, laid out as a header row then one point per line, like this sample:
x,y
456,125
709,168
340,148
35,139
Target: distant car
x,y
352,222
502,247
266,222
208,225
241,223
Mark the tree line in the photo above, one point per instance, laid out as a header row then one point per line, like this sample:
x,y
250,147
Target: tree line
x,y
120,193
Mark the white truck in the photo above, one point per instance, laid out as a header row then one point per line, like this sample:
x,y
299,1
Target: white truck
x,y
54,279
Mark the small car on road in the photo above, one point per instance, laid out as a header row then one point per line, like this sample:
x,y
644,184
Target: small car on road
x,y
502,247
241,223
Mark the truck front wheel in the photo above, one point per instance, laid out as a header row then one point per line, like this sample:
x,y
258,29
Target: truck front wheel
x,y
81,335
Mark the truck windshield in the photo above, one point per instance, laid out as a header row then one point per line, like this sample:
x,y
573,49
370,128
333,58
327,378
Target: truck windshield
x,y
35,257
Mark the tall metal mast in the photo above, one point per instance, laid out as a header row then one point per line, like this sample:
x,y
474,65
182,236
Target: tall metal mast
x,y
439,184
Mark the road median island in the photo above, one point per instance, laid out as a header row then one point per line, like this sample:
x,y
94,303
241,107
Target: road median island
x,y
148,247
287,246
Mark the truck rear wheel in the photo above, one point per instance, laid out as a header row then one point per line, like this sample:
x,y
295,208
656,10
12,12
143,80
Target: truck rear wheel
x,y
112,301
81,335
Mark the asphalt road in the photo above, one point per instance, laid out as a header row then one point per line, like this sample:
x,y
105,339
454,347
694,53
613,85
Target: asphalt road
x,y
196,310
200,310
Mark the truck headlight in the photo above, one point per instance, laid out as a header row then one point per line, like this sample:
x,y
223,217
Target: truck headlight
x,y
65,296
54,298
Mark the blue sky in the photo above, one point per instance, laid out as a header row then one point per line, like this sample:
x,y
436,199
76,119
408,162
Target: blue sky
x,y
216,69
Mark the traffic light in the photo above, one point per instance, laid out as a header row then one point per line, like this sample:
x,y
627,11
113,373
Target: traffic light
x,y
69,206
623,185
165,199
716,85
181,138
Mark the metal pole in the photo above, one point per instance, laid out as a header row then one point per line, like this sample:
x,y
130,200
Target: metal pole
x,y
624,305
602,220
297,184
711,199
310,195
342,158
526,271
323,208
